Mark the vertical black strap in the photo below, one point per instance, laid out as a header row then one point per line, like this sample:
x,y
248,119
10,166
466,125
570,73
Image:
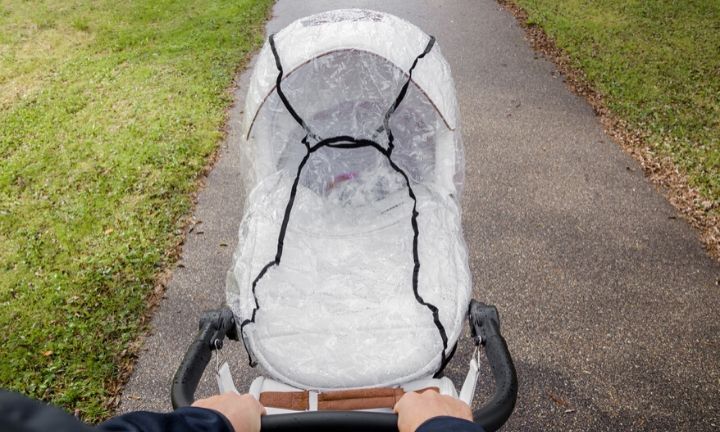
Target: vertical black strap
x,y
401,95
280,92
416,233
278,253
291,201
416,261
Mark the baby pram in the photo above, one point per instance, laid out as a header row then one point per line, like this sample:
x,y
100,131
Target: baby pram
x,y
350,284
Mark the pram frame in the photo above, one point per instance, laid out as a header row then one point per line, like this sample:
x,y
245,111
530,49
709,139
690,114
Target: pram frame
x,y
484,322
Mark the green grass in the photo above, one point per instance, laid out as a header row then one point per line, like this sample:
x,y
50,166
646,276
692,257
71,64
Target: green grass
x,y
658,64
109,110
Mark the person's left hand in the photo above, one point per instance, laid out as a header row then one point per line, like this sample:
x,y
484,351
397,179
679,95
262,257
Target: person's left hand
x,y
243,412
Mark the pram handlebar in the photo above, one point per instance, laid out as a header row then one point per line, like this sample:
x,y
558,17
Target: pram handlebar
x,y
330,421
214,326
485,328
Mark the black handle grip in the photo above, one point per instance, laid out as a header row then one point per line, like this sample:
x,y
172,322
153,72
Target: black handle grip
x,y
214,326
485,325
330,421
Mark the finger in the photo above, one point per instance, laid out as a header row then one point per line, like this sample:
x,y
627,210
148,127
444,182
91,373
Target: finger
x,y
405,400
257,405
399,405
233,395
200,403
250,400
460,404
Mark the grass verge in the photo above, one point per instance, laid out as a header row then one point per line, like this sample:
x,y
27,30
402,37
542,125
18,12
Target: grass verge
x,y
652,71
109,112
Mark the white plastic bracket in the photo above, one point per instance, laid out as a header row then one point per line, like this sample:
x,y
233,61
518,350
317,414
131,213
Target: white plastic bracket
x,y
467,392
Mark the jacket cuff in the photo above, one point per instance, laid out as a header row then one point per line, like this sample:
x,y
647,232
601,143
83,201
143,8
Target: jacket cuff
x,y
200,415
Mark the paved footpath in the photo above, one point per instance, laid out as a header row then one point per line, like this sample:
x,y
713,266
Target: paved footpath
x,y
609,303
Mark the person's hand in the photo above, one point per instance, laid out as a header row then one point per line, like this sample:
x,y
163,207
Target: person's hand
x,y
243,412
414,409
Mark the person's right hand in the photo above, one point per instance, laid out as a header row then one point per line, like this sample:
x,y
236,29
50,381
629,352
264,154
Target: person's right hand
x,y
243,412
414,409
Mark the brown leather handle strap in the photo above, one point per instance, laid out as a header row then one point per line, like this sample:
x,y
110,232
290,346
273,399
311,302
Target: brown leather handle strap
x,y
342,400
296,401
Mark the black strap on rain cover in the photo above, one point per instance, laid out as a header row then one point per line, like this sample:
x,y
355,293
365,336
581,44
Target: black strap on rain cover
x,y
347,142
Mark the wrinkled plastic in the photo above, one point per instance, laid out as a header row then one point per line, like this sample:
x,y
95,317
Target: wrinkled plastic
x,y
335,306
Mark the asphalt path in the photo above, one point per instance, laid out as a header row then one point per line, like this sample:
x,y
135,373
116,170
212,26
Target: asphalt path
x,y
609,303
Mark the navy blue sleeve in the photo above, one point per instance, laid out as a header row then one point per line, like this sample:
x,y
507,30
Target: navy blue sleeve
x,y
444,424
188,419
19,413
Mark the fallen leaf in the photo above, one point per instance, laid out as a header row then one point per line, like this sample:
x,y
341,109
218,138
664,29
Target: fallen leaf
x,y
47,353
558,400
109,231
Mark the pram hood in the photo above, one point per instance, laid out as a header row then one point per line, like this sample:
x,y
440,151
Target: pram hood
x,y
354,60
351,269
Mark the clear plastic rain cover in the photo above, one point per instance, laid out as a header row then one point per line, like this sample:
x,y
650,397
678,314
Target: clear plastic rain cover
x,y
351,268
